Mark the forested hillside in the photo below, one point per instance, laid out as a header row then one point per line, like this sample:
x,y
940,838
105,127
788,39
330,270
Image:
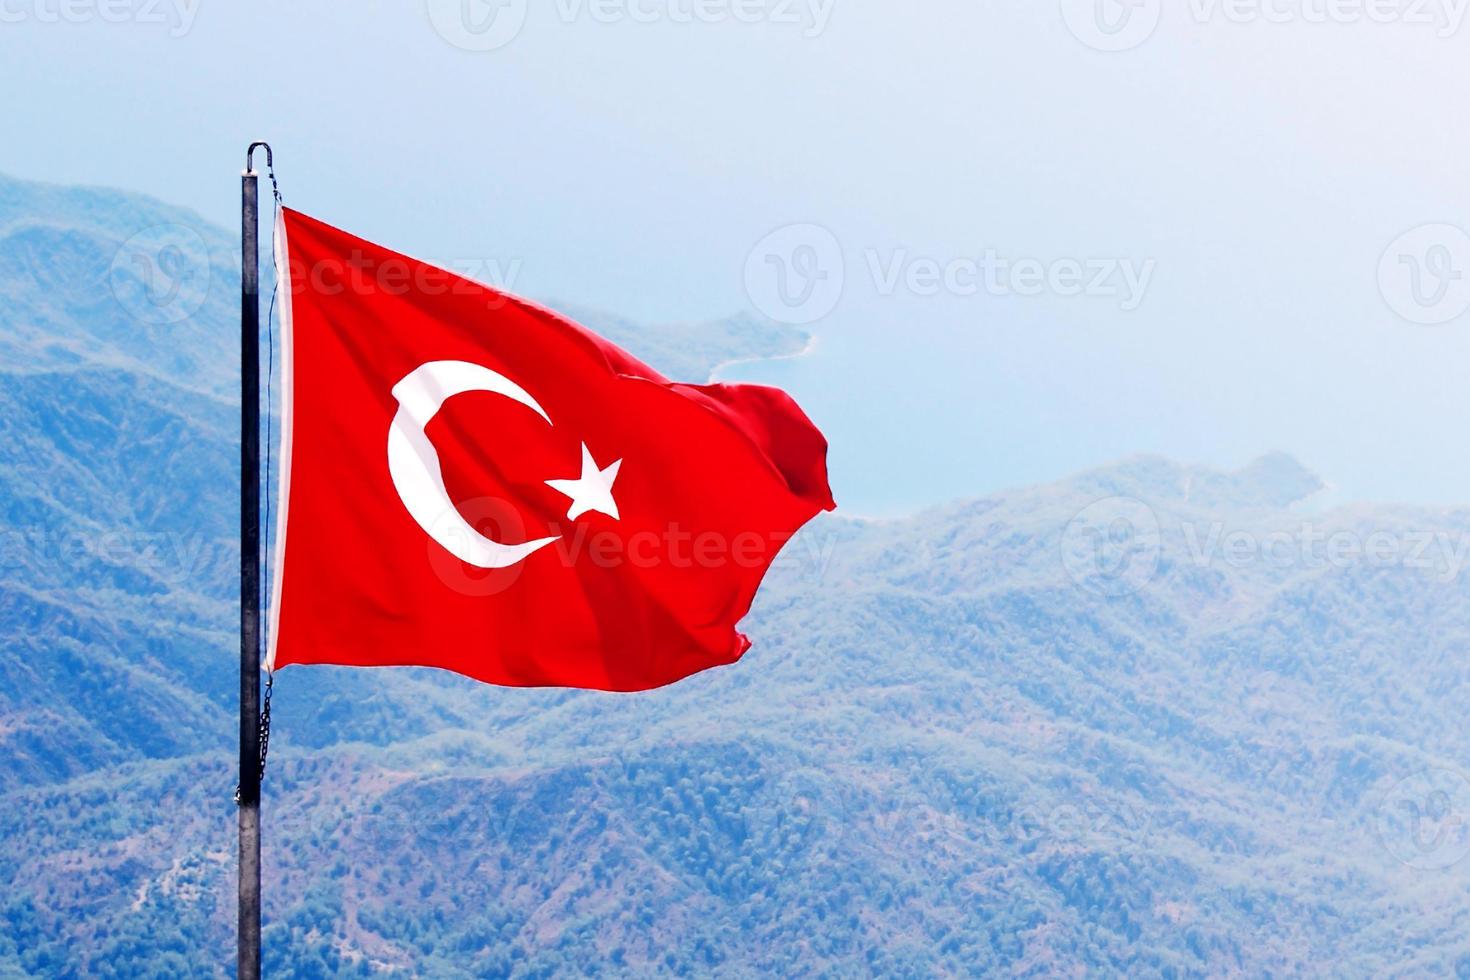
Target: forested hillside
x,y
1153,719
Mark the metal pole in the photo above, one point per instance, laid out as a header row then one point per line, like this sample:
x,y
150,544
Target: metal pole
x,y
248,948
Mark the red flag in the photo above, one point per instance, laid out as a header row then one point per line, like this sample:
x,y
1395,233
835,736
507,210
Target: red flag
x,y
472,482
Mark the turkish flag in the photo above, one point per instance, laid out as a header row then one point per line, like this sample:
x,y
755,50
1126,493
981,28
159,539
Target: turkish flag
x,y
470,481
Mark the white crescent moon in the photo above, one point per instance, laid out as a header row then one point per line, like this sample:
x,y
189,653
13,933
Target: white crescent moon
x,y
413,461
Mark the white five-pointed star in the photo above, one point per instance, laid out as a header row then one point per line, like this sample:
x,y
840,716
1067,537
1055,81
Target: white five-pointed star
x,y
592,490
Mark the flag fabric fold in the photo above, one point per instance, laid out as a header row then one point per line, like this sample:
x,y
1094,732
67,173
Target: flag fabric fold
x,y
473,482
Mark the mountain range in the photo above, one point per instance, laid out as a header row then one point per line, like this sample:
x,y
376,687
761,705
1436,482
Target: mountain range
x,y
1155,719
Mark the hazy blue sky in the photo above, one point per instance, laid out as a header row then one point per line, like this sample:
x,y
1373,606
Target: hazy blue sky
x,y
1252,174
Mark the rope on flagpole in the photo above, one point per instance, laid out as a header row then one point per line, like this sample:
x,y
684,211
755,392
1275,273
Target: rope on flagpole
x,y
270,372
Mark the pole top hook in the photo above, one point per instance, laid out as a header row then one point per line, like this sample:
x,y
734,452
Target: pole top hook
x,y
270,162
270,165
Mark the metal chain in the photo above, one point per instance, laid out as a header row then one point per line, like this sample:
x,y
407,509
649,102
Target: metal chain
x,y
270,171
264,730
265,721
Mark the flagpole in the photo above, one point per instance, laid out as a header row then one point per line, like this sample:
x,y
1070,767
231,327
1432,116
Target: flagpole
x,y
248,795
